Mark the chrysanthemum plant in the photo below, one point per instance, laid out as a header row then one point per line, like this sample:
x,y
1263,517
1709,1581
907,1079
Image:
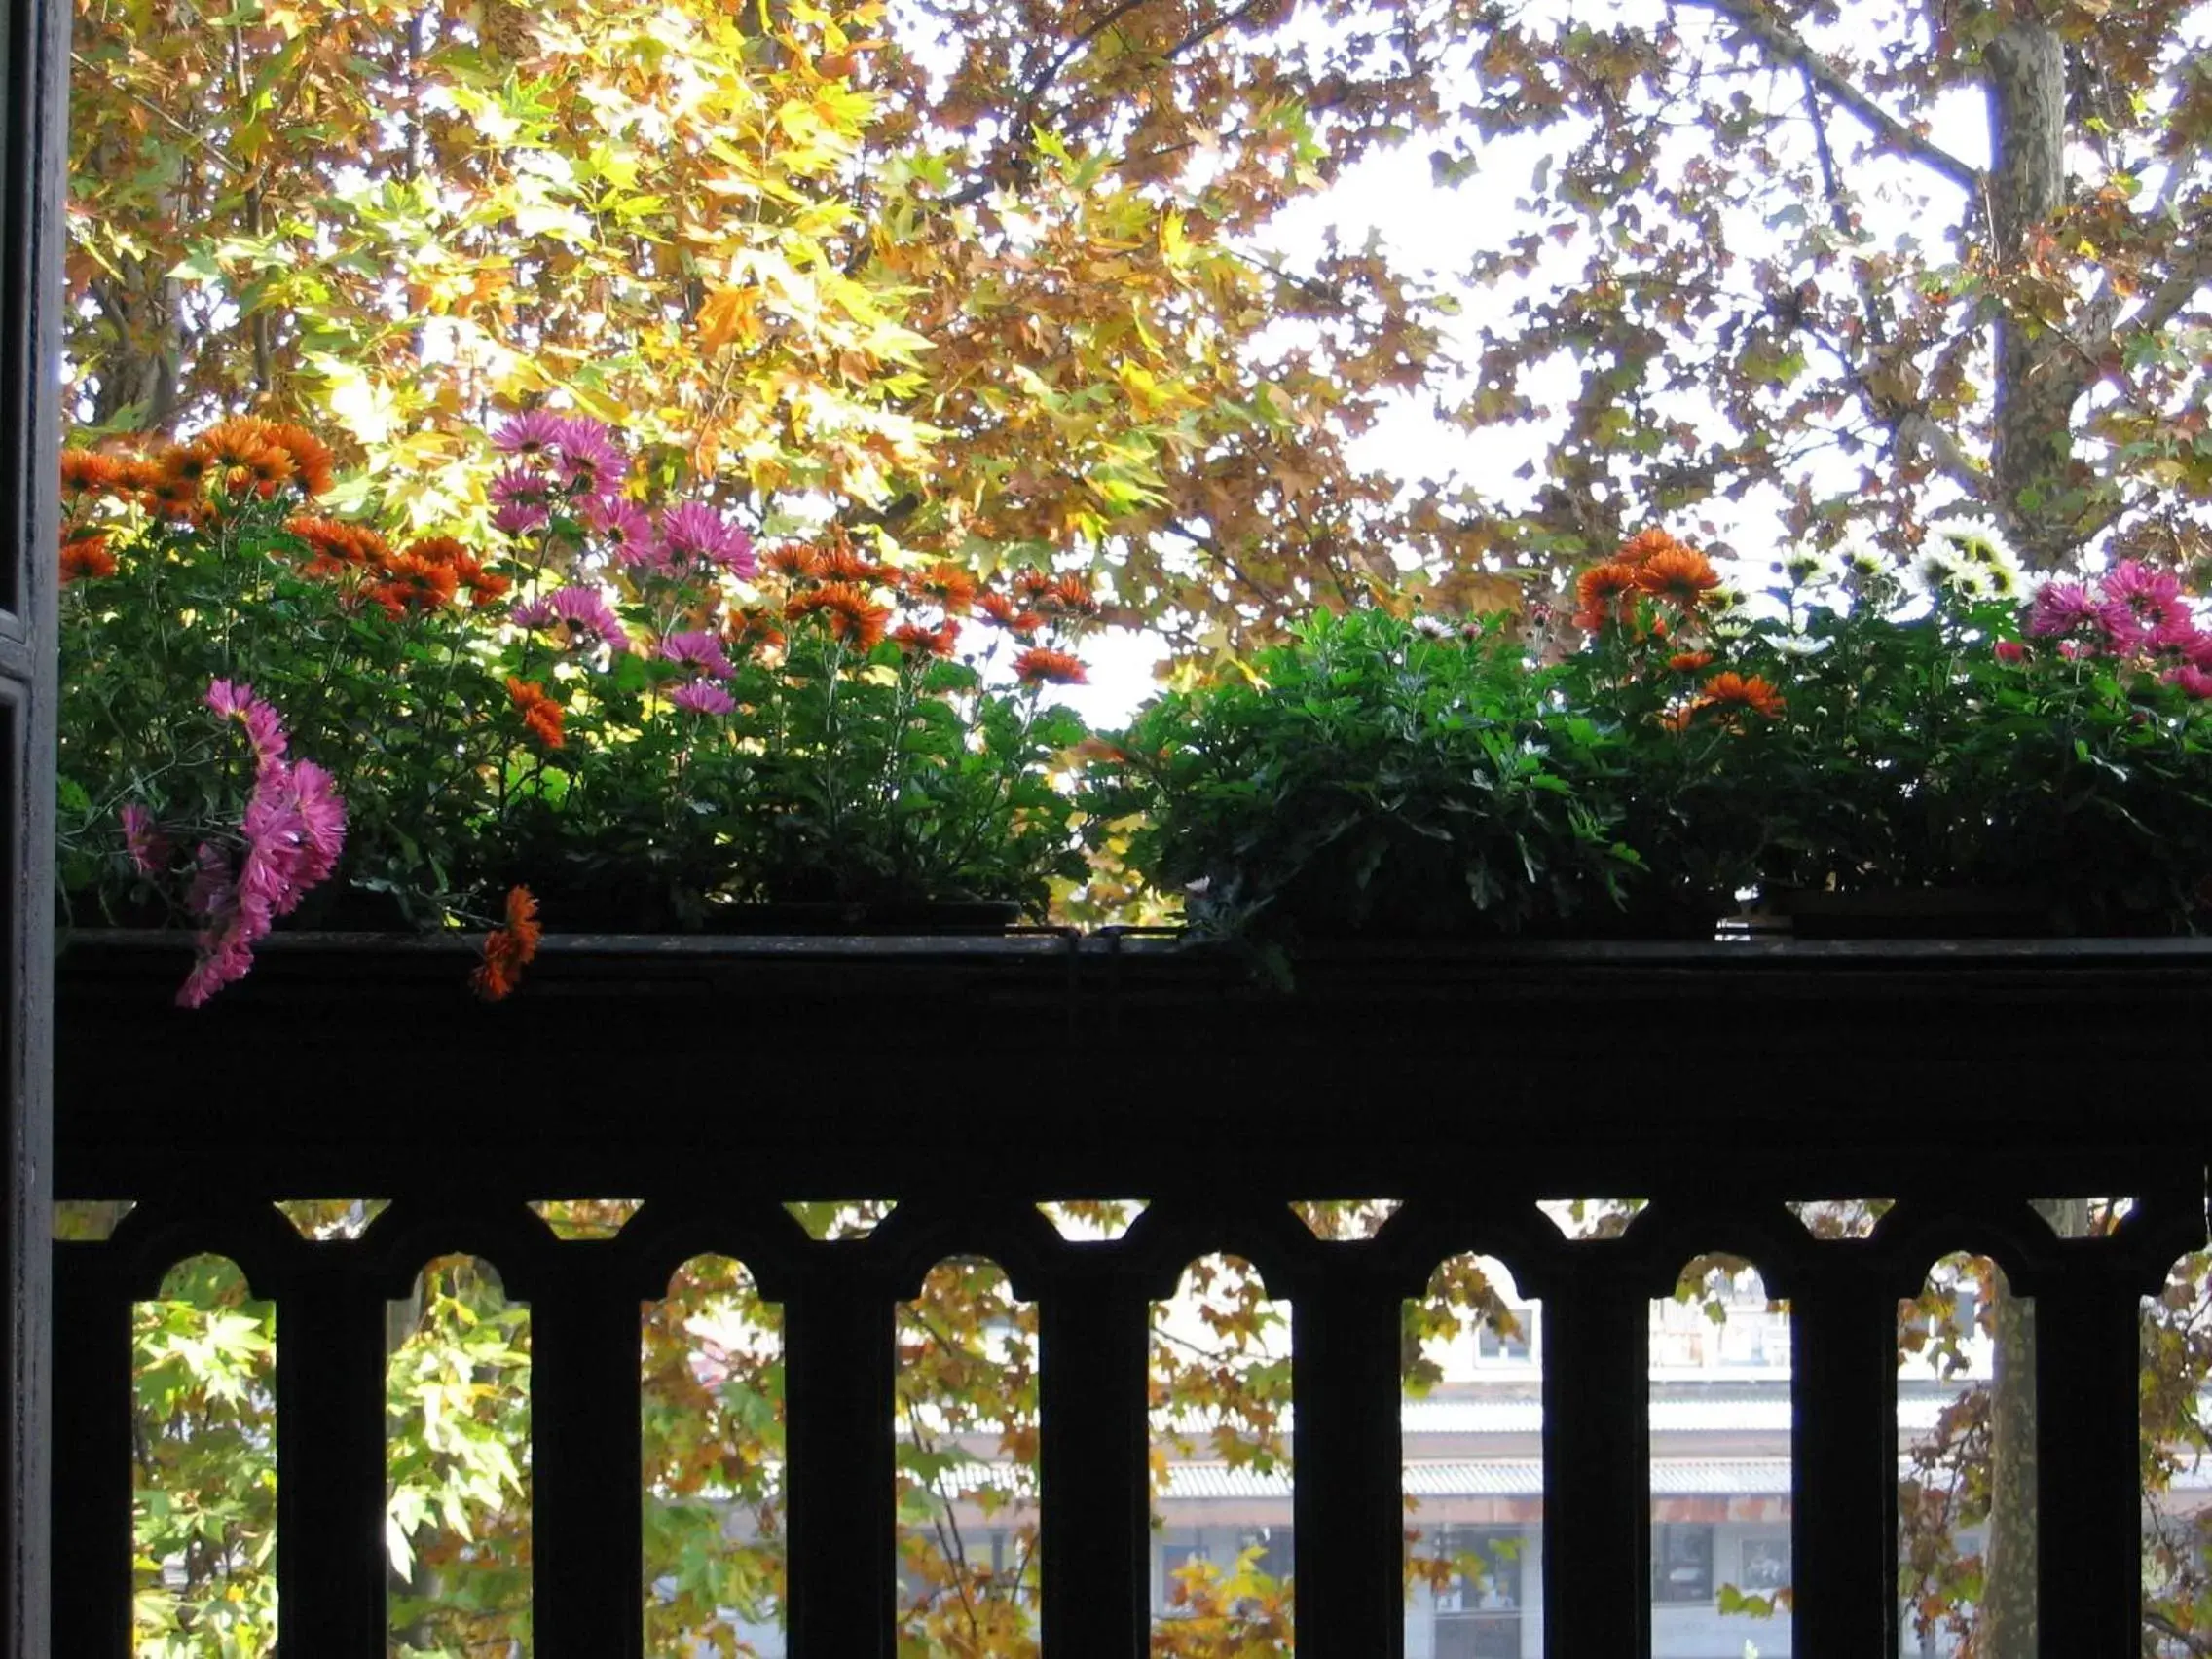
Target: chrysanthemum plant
x,y
1872,726
1945,728
620,705
1374,774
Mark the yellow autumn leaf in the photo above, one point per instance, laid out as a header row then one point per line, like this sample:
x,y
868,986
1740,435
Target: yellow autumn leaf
x,y
730,317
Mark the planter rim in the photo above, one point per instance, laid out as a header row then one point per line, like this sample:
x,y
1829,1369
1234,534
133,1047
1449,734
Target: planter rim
x,y
1109,942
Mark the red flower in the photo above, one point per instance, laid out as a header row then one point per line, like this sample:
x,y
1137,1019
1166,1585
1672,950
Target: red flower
x,y
1021,624
917,640
1678,573
85,473
313,464
85,554
414,583
1038,666
541,713
850,614
952,587
1736,691
794,561
1603,592
1689,662
1644,545
509,949
840,563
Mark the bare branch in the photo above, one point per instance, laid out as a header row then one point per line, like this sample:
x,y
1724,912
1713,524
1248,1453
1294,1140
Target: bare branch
x,y
1785,46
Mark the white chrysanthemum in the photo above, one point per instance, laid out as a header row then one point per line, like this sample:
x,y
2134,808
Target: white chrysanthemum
x,y
1985,560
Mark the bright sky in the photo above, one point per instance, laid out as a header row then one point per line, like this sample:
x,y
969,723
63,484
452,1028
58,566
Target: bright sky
x,y
1428,227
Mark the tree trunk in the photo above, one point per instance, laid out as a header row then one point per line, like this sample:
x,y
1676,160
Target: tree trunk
x,y
2005,1625
2041,373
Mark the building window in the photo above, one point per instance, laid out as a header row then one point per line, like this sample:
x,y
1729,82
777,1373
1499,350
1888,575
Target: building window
x,y
1765,1564
1517,1347
1478,1615
1682,1561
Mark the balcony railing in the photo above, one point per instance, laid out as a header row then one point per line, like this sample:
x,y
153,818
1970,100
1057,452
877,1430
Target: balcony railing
x,y
717,1079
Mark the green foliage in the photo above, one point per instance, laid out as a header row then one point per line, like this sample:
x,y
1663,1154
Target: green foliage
x,y
1862,733
1374,774
456,1523
205,1474
713,1421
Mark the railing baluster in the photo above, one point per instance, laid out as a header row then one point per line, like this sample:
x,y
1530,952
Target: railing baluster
x,y
330,1458
1844,1485
2089,1501
1094,1469
839,1503
1597,1452
1348,1495
91,1455
586,1463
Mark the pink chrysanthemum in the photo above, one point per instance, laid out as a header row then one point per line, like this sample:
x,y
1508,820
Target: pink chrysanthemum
x,y
524,485
2191,678
2178,635
533,433
520,517
702,697
699,649
143,841
2137,601
294,829
622,524
532,613
590,464
264,727
2060,607
590,619
696,533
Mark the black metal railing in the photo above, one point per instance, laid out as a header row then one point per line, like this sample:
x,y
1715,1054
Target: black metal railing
x,y
971,1080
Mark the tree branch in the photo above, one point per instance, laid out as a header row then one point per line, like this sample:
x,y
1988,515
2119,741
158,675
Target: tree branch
x,y
1787,47
2190,276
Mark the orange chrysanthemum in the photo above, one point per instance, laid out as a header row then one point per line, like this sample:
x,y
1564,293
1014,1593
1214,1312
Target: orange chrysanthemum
x,y
1689,662
86,474
1733,691
484,586
846,610
416,585
137,473
794,561
1644,545
843,563
917,640
266,469
541,713
86,555
233,442
315,467
189,463
1602,591
509,949
1039,666
1068,596
754,627
950,586
1021,624
176,499
1681,574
